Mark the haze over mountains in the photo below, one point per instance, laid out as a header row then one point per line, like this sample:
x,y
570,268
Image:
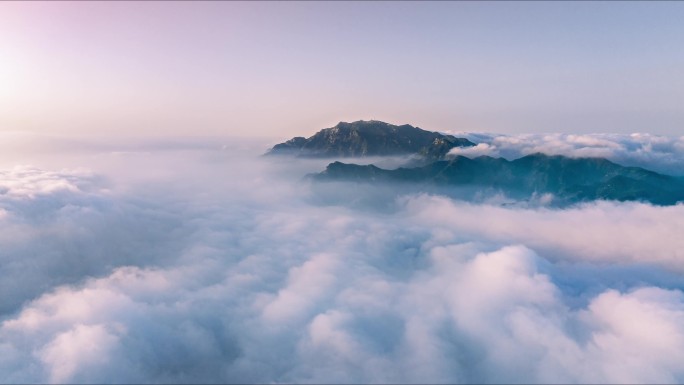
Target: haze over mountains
x,y
147,239
568,180
565,180
217,265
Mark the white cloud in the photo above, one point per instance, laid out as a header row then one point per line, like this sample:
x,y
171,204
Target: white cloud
x,y
659,153
465,316
306,285
80,348
477,150
597,232
231,270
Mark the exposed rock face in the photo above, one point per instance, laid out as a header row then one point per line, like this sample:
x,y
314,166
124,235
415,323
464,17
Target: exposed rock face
x,y
371,138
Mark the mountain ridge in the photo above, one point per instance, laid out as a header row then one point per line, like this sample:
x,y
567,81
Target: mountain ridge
x,y
569,179
370,138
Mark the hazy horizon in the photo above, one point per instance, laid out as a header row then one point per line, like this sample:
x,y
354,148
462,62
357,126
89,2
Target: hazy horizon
x,y
278,70
146,238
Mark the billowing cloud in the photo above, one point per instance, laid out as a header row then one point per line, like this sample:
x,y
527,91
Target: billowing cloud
x,y
234,269
597,232
659,153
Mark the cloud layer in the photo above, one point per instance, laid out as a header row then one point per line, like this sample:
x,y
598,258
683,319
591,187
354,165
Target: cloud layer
x,y
234,269
659,153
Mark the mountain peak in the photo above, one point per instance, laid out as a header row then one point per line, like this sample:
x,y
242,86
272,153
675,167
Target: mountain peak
x,y
371,138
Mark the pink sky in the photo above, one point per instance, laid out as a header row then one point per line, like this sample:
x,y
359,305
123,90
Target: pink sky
x,y
280,69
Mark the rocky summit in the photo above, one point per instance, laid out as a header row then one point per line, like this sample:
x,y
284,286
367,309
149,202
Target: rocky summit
x,y
371,138
568,180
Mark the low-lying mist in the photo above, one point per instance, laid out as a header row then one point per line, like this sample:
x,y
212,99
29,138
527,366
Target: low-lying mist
x,y
659,153
210,263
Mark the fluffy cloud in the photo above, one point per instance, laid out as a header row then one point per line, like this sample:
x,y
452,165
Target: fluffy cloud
x,y
659,153
464,317
230,269
597,232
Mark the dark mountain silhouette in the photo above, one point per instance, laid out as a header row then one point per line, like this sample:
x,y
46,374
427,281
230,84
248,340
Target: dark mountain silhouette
x,y
371,138
568,179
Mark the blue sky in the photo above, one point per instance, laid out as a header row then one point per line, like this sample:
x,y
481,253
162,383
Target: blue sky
x,y
279,69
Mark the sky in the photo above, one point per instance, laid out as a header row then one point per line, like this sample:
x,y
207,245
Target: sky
x,y
276,70
145,239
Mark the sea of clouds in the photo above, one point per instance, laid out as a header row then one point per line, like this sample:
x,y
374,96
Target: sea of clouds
x,y
655,152
208,263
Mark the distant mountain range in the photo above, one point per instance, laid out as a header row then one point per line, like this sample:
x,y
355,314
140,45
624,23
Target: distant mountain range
x,y
371,138
569,180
